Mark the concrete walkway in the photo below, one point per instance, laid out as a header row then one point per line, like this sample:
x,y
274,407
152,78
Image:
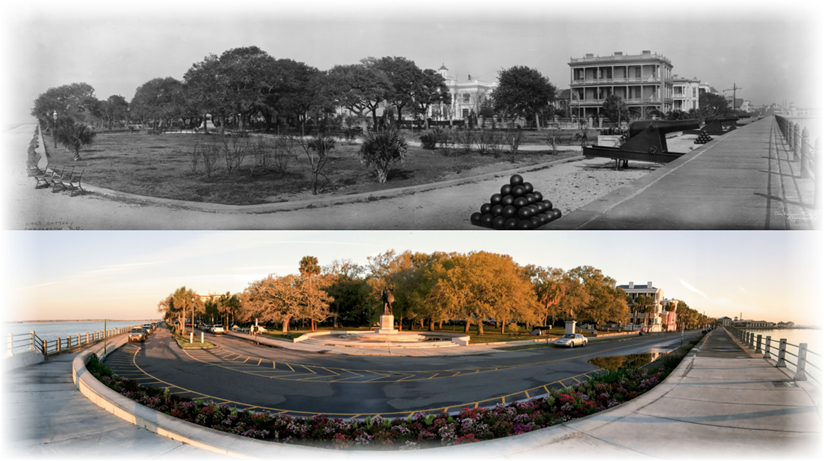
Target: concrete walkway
x,y
46,417
744,180
722,401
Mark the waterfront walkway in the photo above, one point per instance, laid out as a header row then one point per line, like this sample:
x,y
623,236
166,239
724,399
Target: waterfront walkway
x,y
721,401
745,179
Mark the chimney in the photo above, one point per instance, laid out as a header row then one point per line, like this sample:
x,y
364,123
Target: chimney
x,y
590,55
645,52
619,53
631,285
649,284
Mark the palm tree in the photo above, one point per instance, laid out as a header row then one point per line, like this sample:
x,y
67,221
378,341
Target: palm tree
x,y
309,268
646,305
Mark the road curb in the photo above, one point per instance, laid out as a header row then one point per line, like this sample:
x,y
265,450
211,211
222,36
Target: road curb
x,y
321,201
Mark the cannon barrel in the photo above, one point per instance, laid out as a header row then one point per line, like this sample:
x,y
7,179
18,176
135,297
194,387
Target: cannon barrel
x,y
729,118
663,126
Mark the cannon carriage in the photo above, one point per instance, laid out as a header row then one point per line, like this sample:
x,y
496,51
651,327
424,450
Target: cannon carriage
x,y
647,142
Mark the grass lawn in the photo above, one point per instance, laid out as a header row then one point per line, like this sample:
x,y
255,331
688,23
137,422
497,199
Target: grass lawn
x,y
183,341
161,166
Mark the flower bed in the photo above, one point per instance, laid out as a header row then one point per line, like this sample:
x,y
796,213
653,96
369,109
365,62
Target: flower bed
x,y
604,391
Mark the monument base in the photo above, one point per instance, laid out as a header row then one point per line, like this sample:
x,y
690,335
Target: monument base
x,y
387,325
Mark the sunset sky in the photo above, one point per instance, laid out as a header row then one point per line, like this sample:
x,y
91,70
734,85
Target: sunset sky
x,y
770,49
123,275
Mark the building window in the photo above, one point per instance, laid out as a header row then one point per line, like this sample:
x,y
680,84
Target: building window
x,y
466,98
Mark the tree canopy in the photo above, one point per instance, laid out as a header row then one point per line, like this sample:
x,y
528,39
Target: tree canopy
x,y
522,92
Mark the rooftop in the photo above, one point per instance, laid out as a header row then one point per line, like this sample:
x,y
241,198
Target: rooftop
x,y
645,55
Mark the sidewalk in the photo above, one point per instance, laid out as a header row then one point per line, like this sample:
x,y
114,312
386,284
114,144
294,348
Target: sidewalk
x,y
47,417
743,180
721,401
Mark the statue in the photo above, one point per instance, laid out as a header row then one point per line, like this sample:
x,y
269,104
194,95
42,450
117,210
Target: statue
x,y
388,298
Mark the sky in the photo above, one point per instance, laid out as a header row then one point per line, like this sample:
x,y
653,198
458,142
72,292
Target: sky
x,y
769,276
771,50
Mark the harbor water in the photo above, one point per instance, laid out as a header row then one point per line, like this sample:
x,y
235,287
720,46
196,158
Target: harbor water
x,y
52,330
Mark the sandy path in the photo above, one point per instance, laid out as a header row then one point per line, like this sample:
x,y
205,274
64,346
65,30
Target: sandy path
x,y
569,186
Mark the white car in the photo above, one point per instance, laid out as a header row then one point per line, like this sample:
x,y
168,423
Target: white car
x,y
218,330
570,340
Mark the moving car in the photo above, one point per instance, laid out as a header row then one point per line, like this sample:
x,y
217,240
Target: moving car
x,y
148,327
217,330
570,340
137,334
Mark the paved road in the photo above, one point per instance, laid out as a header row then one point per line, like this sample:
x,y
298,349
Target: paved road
x,y
244,374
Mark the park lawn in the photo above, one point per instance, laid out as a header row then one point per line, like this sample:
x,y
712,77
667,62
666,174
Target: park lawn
x,y
183,342
160,166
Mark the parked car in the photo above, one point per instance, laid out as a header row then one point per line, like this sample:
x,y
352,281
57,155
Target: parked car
x,y
218,329
137,334
570,340
148,327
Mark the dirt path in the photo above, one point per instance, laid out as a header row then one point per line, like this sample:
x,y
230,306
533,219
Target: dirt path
x,y
569,186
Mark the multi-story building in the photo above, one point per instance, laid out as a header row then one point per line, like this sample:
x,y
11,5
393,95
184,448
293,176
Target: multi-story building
x,y
644,81
685,93
467,97
655,319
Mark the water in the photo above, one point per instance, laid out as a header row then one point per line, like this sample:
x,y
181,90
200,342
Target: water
x,y
796,337
53,330
813,126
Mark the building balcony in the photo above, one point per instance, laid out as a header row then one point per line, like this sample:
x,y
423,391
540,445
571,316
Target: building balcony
x,y
628,101
620,80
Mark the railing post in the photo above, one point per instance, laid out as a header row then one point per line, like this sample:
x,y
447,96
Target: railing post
x,y
800,373
805,153
767,348
57,344
758,345
68,342
31,341
818,168
87,337
789,135
45,348
796,141
78,339
782,350
752,341
10,350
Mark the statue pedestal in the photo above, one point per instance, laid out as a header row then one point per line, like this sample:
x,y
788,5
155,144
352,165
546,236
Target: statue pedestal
x,y
387,325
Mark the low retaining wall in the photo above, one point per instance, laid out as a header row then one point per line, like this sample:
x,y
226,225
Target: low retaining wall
x,y
20,360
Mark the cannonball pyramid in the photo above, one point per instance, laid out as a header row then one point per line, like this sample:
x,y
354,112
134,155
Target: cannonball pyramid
x,y
703,138
517,207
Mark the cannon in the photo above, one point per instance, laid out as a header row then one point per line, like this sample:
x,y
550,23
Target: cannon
x,y
647,142
720,125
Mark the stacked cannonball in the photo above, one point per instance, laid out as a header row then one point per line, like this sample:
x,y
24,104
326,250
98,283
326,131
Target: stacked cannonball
x,y
703,138
517,207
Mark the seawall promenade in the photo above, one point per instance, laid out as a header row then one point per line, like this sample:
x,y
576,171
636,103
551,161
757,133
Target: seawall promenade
x,y
721,401
746,179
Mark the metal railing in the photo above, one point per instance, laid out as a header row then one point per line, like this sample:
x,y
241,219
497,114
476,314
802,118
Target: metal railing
x,y
31,342
778,351
803,149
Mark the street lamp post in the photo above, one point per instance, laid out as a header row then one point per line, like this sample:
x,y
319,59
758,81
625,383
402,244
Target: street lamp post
x,y
54,129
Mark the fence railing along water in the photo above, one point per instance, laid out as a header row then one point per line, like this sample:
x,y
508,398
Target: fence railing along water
x,y
803,148
777,350
17,343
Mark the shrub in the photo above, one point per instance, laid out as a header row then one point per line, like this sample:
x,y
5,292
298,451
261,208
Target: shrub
x,y
382,149
429,141
74,136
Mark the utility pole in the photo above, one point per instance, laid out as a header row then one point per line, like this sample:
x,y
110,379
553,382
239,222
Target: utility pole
x,y
734,89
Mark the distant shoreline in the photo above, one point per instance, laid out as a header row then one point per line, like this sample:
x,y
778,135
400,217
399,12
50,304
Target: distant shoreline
x,y
84,320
